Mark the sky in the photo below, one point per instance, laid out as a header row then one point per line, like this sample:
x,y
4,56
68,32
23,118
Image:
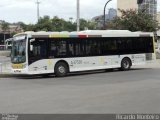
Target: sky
x,y
26,10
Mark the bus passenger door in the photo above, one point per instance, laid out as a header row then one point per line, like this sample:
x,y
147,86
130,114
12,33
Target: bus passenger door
x,y
37,53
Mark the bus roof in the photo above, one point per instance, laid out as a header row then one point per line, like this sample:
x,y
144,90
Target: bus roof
x,y
86,33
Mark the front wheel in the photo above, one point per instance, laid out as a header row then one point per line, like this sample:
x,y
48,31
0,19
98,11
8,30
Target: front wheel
x,y
125,64
61,69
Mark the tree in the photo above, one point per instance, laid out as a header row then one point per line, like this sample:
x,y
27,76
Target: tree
x,y
44,24
5,29
22,25
57,24
60,24
134,20
5,26
84,24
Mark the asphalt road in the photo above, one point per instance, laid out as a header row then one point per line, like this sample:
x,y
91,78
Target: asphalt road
x,y
134,91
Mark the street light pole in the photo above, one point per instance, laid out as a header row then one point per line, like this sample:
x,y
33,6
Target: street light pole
x,y
37,10
78,16
104,15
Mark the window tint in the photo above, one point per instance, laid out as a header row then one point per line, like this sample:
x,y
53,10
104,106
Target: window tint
x,y
39,50
58,48
83,47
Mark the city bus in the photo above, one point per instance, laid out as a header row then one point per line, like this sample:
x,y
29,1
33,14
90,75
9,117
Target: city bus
x,y
59,53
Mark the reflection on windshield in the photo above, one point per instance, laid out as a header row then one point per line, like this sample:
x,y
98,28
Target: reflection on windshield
x,y
19,51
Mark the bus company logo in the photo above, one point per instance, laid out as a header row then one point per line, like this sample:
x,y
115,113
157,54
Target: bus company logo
x,y
9,117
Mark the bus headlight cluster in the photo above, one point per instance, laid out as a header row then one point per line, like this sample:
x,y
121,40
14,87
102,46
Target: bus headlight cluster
x,y
19,66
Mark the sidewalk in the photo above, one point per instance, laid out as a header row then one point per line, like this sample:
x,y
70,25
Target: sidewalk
x,y
5,68
5,65
152,64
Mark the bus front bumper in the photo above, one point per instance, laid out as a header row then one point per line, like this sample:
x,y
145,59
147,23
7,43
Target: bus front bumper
x,y
20,71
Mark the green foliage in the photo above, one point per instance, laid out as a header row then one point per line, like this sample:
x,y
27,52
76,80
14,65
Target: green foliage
x,y
44,24
4,26
57,24
22,25
134,20
84,24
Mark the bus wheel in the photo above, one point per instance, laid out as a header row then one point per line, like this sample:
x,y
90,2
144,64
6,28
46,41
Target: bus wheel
x,y
125,64
61,69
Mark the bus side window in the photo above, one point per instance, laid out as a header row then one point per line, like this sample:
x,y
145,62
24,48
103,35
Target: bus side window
x,y
53,49
39,49
70,49
61,48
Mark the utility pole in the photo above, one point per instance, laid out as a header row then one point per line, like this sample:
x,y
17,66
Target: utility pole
x,y
78,16
38,16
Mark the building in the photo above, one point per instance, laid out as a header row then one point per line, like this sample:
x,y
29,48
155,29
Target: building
x,y
150,6
12,28
126,4
15,28
109,16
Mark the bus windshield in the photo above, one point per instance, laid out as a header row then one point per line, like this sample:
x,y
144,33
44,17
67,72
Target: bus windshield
x,y
19,51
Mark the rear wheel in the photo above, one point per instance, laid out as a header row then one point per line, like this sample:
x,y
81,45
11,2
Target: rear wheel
x,y
61,69
125,64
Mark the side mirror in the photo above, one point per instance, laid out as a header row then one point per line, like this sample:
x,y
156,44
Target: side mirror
x,y
31,47
32,40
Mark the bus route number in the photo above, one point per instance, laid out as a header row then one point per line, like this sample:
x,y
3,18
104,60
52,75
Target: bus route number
x,y
76,62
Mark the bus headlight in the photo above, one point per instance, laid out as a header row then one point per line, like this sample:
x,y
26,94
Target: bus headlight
x,y
19,66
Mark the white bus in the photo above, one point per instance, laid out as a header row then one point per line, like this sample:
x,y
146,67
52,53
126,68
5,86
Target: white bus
x,y
64,52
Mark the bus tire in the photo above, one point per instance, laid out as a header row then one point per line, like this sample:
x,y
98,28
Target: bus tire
x,y
125,64
61,69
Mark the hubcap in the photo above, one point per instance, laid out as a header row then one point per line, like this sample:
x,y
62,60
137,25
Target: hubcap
x,y
126,64
61,69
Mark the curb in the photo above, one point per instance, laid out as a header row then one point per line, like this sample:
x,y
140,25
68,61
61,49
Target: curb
x,y
11,75
7,75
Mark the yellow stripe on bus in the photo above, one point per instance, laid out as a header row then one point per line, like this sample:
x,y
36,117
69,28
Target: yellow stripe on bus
x,y
17,66
59,36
